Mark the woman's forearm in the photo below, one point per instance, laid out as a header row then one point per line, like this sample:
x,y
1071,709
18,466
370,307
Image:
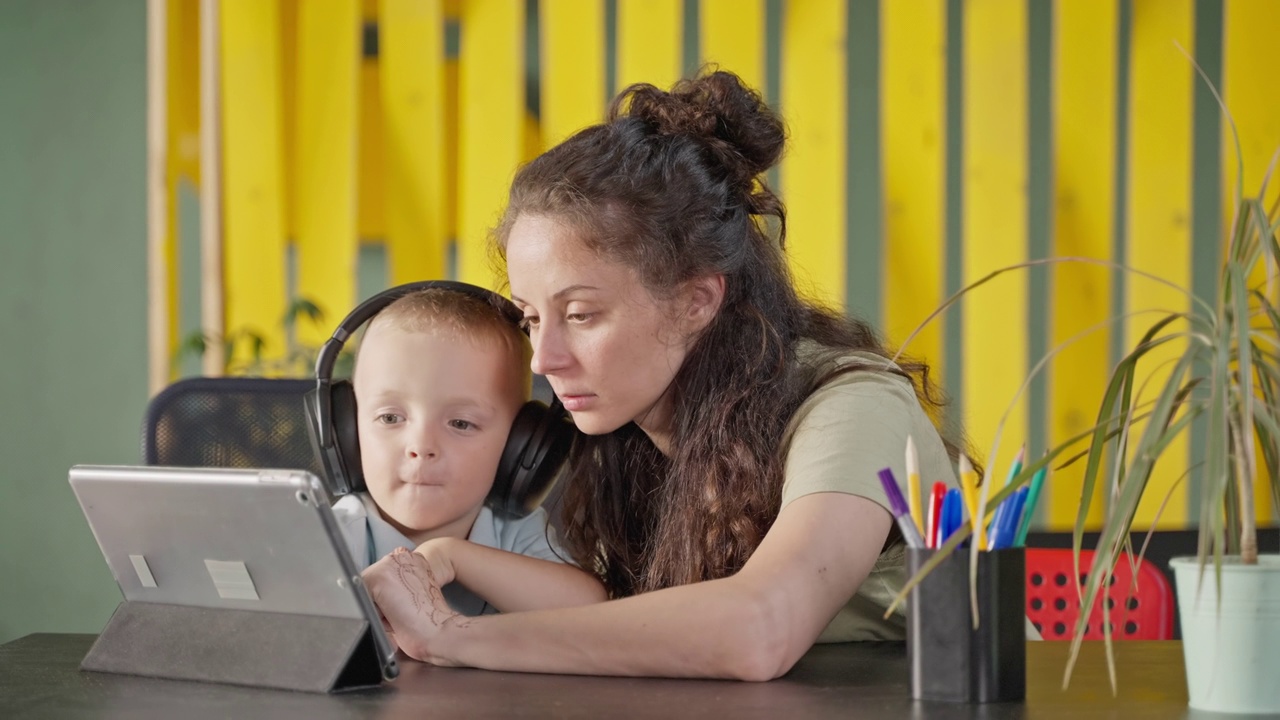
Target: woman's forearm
x,y
712,629
752,626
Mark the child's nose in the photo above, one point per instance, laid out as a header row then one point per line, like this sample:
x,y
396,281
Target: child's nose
x,y
423,447
419,452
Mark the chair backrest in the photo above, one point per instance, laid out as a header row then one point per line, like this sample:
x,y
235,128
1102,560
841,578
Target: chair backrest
x,y
230,422
1137,612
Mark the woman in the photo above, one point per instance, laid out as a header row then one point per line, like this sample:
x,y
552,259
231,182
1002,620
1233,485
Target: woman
x,y
726,491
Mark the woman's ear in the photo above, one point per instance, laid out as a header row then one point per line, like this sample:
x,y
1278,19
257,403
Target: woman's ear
x,y
705,296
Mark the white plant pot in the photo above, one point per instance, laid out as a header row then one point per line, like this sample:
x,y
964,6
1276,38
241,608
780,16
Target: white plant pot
x,y
1231,643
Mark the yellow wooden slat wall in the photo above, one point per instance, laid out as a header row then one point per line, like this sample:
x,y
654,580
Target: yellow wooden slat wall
x,y
182,158
325,173
814,101
995,224
732,37
1084,198
289,111
372,167
411,54
1159,210
913,59
253,159
649,42
1250,89
371,151
572,46
491,133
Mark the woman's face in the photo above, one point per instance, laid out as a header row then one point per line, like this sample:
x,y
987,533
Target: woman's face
x,y
608,347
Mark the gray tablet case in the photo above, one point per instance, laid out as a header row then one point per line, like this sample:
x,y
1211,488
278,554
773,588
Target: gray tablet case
x,y
230,575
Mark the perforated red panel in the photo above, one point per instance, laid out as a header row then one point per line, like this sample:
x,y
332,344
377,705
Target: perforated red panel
x,y
1141,612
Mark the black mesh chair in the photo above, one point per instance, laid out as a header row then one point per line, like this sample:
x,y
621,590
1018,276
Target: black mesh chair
x,y
230,422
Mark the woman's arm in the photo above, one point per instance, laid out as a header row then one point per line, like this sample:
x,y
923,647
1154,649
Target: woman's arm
x,y
752,626
512,582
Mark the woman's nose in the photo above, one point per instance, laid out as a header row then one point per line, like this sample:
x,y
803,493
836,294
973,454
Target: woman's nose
x,y
550,354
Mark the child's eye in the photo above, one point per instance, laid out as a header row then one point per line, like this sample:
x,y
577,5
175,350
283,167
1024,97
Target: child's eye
x,y
461,424
388,419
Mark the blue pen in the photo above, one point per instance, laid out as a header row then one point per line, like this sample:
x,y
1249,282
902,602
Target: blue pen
x,y
901,512
950,520
1007,522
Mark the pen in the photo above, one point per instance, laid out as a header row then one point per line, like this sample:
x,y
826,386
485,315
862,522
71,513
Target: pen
x,y
913,484
969,486
935,514
996,519
951,516
1005,529
910,533
1029,508
1017,465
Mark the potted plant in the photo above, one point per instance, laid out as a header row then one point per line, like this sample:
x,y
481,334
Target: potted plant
x,y
1226,375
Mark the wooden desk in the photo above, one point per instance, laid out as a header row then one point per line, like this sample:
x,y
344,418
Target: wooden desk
x,y
39,678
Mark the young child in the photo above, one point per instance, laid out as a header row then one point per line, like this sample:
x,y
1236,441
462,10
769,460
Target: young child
x,y
439,378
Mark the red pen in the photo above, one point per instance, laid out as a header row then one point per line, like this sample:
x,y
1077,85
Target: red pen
x,y
934,515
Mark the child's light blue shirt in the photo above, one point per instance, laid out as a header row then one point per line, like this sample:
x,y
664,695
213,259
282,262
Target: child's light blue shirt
x,y
370,538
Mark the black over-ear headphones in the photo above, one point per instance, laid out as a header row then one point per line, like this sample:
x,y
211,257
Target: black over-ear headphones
x,y
536,446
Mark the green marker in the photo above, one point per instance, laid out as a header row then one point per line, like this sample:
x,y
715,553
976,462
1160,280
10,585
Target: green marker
x,y
1017,466
1024,525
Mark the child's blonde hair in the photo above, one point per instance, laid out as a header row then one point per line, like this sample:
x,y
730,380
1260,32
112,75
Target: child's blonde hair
x,y
464,318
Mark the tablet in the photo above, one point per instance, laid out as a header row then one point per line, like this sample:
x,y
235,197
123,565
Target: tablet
x,y
243,539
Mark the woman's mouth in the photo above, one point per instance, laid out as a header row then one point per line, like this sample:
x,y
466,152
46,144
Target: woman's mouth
x,y
576,403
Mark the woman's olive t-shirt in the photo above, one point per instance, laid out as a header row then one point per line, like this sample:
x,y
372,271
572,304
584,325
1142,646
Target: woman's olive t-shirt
x,y
839,439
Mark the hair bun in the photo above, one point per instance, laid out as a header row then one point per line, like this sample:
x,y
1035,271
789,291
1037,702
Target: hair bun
x,y
718,109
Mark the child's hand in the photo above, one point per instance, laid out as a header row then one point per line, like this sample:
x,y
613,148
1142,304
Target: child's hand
x,y
436,552
406,589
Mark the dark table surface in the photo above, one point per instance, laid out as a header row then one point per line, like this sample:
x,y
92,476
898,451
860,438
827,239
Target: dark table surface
x,y
40,677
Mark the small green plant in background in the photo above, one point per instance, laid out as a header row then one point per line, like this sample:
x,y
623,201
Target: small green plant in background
x,y
298,359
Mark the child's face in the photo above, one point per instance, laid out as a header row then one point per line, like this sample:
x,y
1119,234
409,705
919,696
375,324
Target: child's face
x,y
434,413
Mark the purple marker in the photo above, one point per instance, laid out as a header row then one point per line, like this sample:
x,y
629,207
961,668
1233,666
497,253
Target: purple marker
x,y
901,514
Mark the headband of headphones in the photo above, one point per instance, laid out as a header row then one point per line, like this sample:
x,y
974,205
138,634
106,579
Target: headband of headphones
x,y
363,312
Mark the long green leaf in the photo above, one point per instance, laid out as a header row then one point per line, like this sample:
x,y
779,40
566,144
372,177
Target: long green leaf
x,y
1120,515
1231,123
1119,389
957,295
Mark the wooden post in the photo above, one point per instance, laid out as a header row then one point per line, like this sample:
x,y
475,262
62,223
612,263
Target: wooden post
x,y
210,192
157,199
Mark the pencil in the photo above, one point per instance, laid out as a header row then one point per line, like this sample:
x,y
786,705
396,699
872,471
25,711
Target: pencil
x,y
913,484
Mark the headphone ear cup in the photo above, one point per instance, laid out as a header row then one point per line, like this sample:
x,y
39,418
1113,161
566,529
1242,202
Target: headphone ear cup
x,y
346,435
537,446
326,457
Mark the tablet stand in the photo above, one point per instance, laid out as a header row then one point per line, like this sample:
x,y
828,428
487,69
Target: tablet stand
x,y
263,649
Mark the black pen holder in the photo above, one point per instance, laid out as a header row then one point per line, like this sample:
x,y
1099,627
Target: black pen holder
x,y
950,659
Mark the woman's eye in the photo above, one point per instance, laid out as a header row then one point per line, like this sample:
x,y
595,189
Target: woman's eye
x,y
461,424
578,317
388,419
528,322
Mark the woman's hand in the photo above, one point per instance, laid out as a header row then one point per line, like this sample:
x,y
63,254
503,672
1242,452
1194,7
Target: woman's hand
x,y
406,588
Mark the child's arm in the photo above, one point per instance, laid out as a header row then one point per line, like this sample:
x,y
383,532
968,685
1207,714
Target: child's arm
x,y
509,581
